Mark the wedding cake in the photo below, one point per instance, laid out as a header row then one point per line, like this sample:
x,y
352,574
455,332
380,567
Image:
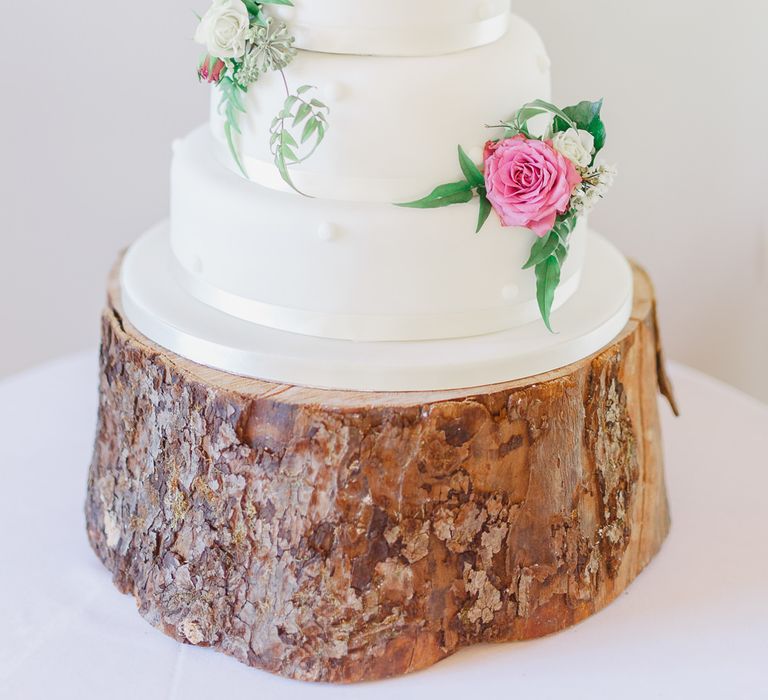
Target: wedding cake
x,y
376,391
286,237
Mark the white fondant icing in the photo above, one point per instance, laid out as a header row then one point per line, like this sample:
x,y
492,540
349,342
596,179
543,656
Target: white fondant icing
x,y
395,274
393,136
160,309
395,27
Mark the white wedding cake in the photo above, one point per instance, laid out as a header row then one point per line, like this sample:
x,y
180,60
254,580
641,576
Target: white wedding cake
x,y
394,404
286,256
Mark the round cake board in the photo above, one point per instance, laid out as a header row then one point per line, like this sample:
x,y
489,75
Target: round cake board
x,y
157,306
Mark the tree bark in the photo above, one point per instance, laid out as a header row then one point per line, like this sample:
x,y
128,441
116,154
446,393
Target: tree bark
x,y
340,536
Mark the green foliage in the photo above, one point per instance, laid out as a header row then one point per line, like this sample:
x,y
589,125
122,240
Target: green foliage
x,y
548,255
586,116
458,192
547,282
254,8
443,196
231,106
518,123
485,208
297,131
471,172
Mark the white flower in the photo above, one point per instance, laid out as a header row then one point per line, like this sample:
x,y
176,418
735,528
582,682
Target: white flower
x,y
594,186
606,176
576,146
223,29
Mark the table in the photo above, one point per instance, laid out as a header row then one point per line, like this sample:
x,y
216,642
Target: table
x,y
695,624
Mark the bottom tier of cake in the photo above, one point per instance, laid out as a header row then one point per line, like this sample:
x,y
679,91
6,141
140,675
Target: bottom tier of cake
x,y
156,303
342,536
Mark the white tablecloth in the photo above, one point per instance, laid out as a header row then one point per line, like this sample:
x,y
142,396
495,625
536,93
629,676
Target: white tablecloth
x,y
694,625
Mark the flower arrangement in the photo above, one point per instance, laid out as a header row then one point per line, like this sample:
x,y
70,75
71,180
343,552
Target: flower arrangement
x,y
243,43
543,183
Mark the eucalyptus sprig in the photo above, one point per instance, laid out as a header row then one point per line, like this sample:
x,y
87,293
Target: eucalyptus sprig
x,y
299,126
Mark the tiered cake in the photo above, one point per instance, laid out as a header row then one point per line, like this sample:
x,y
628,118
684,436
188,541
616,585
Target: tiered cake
x,y
254,263
253,486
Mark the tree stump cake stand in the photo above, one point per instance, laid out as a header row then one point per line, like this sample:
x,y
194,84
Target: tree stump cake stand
x,y
339,536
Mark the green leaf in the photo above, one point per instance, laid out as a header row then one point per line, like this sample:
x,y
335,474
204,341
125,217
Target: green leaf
x,y
233,148
584,113
288,139
532,109
252,7
302,113
471,171
443,196
287,153
542,249
485,210
586,116
547,282
284,144
229,107
311,126
564,226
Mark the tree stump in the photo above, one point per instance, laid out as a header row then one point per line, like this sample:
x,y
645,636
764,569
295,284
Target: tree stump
x,y
339,536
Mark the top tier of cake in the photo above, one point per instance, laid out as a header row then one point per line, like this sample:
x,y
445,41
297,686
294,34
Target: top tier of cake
x,y
395,121
395,27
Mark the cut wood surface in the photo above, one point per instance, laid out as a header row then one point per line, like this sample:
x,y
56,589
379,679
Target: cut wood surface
x,y
344,536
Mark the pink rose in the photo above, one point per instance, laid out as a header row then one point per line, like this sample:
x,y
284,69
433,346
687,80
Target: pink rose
x,y
529,183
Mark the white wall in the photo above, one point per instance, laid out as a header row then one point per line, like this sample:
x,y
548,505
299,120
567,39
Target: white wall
x,y
89,110
687,104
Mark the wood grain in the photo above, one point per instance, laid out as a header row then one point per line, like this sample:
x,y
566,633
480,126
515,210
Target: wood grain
x,y
344,536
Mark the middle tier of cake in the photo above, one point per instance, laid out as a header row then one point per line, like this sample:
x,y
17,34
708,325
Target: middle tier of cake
x,y
348,270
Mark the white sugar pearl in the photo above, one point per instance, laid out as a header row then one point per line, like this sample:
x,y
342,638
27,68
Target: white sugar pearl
x,y
333,92
510,292
328,231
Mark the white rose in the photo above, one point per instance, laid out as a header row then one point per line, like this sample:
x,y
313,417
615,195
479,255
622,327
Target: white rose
x,y
223,29
576,146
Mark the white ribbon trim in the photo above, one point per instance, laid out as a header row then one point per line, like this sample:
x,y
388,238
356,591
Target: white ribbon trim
x,y
401,41
369,328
